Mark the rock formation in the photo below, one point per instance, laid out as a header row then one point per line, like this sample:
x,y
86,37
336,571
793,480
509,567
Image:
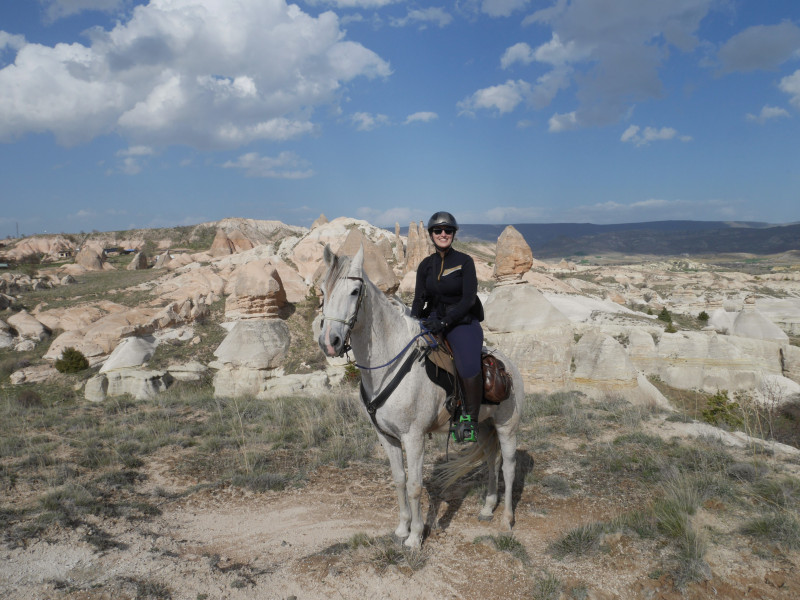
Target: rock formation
x,y
513,257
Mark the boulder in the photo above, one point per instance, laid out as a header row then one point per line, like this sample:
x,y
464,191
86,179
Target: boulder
x,y
513,257
131,352
751,323
522,307
138,263
34,374
142,385
191,371
90,258
321,220
27,326
419,246
96,389
255,344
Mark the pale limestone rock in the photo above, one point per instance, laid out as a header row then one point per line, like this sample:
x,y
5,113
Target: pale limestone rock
x,y
28,326
25,346
286,385
74,339
199,282
408,283
162,260
191,371
67,280
375,265
90,258
6,337
321,220
751,323
138,263
35,374
255,344
96,389
513,257
511,308
236,382
419,246
708,361
50,246
258,293
399,249
130,353
602,363
142,385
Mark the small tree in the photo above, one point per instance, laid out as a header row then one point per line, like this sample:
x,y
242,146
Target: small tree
x,y
71,361
665,316
703,317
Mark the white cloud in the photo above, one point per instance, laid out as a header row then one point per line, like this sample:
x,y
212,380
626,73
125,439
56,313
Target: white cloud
x,y
502,8
518,53
136,151
502,98
768,113
287,165
361,3
58,9
367,121
204,73
760,47
611,50
12,42
434,15
791,85
421,116
387,218
642,137
563,122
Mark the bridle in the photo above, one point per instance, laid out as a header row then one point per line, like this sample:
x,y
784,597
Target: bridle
x,y
351,321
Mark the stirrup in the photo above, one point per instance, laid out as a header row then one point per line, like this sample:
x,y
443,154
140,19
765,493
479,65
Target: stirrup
x,y
464,430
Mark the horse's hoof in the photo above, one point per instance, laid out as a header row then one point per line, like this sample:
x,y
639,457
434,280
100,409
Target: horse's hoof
x,y
482,517
413,542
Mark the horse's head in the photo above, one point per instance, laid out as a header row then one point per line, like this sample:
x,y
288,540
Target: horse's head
x,y
343,289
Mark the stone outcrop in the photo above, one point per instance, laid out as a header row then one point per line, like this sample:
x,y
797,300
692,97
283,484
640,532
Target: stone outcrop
x,y
513,257
90,258
257,292
320,220
130,353
27,326
142,385
375,264
138,263
419,246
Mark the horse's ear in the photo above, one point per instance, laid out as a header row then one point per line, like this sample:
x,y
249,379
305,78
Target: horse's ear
x,y
357,263
328,255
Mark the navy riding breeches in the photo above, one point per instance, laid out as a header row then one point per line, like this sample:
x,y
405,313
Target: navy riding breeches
x,y
466,341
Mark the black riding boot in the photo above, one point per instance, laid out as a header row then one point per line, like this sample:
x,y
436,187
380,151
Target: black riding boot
x,y
472,394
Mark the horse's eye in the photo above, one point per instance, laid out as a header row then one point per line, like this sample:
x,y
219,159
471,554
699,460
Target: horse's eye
x,y
355,292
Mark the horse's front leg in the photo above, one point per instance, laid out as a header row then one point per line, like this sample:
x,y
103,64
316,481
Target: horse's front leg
x,y
493,474
395,453
415,449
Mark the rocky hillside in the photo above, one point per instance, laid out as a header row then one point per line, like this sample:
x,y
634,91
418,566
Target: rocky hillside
x,y
682,339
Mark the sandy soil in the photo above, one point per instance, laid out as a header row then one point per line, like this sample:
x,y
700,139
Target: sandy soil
x,y
233,544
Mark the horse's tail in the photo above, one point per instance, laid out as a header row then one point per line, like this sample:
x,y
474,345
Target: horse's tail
x,y
487,445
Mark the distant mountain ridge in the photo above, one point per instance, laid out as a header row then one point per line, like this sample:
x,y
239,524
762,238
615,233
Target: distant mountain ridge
x,y
553,240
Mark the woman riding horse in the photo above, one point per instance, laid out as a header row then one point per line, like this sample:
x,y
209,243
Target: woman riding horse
x,y
446,298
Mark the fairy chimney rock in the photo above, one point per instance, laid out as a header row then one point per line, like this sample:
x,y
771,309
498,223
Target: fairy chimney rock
x,y
321,220
375,265
419,246
514,257
89,258
257,292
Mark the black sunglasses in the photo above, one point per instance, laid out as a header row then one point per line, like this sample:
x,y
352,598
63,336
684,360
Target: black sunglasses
x,y
439,230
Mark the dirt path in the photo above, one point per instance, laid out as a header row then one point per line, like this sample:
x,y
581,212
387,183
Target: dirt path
x,y
232,544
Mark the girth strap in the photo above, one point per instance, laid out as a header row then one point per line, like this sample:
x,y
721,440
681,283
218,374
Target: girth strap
x,y
373,405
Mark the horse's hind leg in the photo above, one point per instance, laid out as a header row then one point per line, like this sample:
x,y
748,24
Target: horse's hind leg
x,y
493,473
508,447
395,453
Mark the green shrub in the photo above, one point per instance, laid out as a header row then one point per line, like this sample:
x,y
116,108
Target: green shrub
x,y
721,409
71,361
703,317
665,316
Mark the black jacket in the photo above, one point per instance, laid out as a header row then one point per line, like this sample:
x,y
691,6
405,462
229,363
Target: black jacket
x,y
449,287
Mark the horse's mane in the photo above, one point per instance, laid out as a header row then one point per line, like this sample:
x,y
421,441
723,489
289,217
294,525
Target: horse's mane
x,y
336,271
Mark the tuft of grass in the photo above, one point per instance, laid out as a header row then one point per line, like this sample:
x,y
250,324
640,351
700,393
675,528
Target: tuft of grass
x,y
778,527
580,541
556,485
506,542
546,586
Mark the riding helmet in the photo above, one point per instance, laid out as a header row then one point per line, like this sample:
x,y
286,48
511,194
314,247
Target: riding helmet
x,y
442,219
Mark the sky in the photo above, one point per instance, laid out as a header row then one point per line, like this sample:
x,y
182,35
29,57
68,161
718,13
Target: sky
x,y
121,114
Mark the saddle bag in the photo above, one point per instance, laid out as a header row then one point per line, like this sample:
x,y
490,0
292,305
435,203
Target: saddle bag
x,y
497,383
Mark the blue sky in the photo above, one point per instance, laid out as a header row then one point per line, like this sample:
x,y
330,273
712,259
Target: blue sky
x,y
116,114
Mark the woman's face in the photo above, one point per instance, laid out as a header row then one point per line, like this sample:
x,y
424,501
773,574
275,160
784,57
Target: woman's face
x,y
442,237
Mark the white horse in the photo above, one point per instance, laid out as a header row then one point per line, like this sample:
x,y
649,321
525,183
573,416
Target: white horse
x,y
357,315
